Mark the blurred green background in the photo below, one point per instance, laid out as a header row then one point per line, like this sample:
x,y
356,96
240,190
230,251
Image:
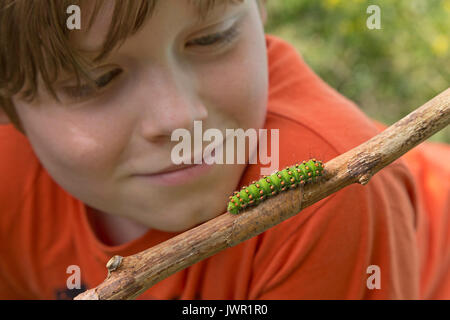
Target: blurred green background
x,y
388,72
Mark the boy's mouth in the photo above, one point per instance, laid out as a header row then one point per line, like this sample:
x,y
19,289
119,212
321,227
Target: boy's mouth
x,y
176,175
174,168
177,167
180,174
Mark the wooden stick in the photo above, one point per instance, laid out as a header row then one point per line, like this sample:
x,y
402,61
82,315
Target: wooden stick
x,y
132,275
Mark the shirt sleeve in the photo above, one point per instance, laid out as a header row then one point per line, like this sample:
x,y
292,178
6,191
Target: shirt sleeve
x,y
17,171
17,162
358,243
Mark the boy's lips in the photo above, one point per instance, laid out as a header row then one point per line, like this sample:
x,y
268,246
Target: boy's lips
x,y
172,169
179,174
176,167
176,175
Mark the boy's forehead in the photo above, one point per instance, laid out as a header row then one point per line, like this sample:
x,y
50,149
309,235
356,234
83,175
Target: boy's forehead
x,y
90,40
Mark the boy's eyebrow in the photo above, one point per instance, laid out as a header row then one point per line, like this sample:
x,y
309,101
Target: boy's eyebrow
x,y
204,7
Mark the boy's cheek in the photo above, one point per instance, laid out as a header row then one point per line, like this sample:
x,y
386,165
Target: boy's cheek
x,y
240,86
69,150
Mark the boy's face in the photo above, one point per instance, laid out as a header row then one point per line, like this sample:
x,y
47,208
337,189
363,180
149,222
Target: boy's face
x,y
175,70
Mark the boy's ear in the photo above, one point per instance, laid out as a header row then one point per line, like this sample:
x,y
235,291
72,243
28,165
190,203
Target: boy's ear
x,y
262,10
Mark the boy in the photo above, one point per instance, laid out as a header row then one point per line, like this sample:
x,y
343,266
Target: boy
x,y
87,173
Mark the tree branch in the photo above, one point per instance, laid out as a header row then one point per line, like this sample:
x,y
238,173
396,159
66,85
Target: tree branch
x,y
132,275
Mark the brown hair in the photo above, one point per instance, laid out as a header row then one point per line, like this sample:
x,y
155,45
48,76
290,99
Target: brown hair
x,y
34,42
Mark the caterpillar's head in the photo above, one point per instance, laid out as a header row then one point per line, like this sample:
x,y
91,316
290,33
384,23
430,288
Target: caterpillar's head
x,y
232,208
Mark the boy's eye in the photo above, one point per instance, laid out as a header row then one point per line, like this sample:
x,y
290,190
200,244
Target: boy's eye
x,y
87,90
215,38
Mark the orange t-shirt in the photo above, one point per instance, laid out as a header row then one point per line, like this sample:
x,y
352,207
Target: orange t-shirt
x,y
398,222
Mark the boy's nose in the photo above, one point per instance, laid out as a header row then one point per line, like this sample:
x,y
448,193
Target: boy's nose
x,y
172,104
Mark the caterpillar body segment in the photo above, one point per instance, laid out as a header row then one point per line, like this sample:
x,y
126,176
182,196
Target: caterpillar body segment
x,y
279,181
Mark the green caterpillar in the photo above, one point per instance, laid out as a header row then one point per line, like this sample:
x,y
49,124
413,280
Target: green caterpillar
x,y
268,186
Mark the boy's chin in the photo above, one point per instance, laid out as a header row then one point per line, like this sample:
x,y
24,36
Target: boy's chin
x,y
189,221
178,228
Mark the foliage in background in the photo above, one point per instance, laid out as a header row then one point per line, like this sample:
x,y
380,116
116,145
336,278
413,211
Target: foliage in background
x,y
387,72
